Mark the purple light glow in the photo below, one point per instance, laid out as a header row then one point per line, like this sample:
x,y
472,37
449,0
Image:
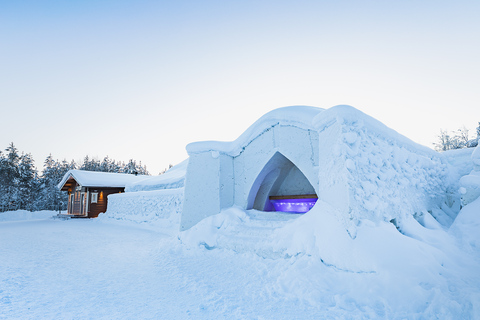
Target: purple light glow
x,y
293,205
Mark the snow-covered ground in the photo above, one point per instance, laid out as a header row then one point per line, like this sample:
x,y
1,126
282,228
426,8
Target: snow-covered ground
x,y
240,265
25,215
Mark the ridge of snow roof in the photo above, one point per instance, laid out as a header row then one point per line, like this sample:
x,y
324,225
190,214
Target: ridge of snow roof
x,y
348,115
306,118
298,116
100,179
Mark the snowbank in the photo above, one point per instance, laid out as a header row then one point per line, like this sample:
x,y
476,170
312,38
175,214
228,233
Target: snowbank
x,y
172,179
460,159
26,215
387,271
467,225
161,208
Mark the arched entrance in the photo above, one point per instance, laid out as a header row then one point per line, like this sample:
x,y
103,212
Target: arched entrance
x,y
280,179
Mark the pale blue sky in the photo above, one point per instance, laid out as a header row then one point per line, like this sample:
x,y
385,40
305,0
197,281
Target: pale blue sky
x,y
154,76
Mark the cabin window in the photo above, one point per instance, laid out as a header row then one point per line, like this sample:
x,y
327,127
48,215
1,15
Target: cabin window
x,y
94,197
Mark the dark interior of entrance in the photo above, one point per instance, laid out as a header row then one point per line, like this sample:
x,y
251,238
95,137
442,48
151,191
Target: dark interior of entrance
x,y
279,179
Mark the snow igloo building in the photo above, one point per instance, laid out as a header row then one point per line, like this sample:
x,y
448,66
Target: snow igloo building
x,y
338,155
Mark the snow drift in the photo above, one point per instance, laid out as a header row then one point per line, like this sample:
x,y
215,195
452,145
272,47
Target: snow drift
x,y
385,272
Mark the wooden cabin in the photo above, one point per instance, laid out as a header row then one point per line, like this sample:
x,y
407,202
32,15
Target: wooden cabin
x,y
88,190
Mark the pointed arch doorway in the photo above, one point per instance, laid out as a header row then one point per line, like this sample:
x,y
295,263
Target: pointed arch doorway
x,y
281,186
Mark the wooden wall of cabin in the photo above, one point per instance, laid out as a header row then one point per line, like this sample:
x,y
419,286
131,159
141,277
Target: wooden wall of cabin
x,y
101,206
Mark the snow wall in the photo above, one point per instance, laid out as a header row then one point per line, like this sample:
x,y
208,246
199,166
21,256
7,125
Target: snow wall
x,y
155,200
369,171
162,208
352,161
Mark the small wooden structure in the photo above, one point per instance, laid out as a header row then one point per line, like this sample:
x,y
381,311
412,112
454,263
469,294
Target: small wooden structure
x,y
88,190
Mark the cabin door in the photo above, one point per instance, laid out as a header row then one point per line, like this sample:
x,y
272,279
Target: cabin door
x,y
79,206
82,203
71,203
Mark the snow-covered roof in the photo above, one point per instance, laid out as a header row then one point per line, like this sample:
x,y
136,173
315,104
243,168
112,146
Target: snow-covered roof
x,y
350,116
100,179
299,116
305,117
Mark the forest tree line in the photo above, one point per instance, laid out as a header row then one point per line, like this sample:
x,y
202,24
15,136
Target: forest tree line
x,y
23,187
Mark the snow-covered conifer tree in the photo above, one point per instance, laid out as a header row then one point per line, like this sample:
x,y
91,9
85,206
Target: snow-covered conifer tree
x,y
91,164
51,197
27,183
133,168
130,167
9,195
3,180
109,165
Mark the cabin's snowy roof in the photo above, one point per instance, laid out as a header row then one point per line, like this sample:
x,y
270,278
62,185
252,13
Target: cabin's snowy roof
x,y
100,179
299,116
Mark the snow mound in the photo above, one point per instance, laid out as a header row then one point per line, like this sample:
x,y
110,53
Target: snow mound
x,y
20,215
298,116
467,225
391,271
237,230
173,178
470,187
